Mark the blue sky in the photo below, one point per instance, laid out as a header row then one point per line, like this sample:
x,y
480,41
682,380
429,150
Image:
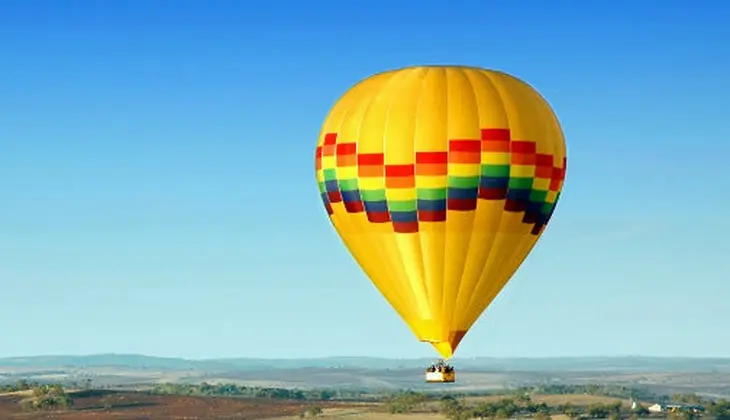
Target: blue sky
x,y
158,195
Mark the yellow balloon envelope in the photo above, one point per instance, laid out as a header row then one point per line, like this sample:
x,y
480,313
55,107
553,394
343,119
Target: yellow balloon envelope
x,y
440,180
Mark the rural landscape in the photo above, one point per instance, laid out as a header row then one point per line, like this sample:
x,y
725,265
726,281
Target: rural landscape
x,y
140,387
287,179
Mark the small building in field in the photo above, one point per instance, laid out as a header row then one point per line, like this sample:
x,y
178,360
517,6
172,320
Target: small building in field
x,y
671,407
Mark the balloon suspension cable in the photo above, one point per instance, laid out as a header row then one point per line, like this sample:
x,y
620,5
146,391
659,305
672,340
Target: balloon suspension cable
x,y
442,362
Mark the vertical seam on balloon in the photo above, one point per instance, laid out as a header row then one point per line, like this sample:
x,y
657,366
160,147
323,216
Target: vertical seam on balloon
x,y
555,123
514,258
455,319
415,152
414,292
339,125
512,253
401,282
563,165
498,226
404,301
334,216
446,233
555,145
345,114
490,245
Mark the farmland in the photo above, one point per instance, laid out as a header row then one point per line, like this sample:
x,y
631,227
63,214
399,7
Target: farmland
x,y
144,388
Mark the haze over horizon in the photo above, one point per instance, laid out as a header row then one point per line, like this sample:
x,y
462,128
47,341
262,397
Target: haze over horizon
x,y
355,356
139,145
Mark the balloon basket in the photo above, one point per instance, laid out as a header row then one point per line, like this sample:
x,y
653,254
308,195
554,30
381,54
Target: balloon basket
x,y
440,372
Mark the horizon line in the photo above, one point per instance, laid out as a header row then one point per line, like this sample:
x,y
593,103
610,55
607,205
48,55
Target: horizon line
x,y
620,356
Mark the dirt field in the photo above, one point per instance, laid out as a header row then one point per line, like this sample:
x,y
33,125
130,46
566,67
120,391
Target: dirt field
x,y
354,413
104,405
359,413
139,406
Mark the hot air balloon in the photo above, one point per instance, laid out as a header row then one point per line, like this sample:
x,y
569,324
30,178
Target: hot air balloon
x,y
440,180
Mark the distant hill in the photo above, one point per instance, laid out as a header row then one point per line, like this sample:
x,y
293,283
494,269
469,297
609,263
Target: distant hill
x,y
556,364
662,376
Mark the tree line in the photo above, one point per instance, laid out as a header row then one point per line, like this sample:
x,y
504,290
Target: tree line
x,y
233,390
719,409
609,390
522,405
25,385
242,391
46,397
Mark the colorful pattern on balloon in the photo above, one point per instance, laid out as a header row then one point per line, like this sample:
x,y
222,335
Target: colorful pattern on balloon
x,y
494,167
